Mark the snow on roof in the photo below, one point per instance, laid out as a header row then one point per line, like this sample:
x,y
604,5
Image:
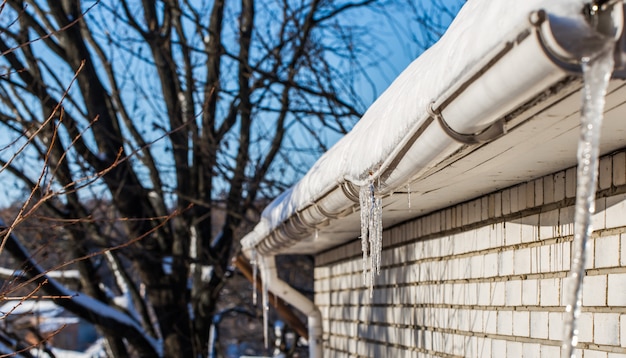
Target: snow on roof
x,y
477,30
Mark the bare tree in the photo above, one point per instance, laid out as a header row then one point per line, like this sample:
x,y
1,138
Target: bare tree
x,y
148,132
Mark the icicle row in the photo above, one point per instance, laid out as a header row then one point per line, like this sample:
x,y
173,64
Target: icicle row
x,y
371,232
266,308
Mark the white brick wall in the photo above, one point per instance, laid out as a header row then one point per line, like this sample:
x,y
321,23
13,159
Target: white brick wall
x,y
484,278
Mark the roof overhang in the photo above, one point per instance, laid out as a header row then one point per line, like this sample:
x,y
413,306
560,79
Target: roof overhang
x,y
510,116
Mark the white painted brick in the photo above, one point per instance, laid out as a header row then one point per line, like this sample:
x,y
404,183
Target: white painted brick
x,y
476,267
616,355
539,324
498,348
513,292
570,182
490,262
514,192
548,189
513,233
590,250
549,292
598,219
514,349
619,169
531,350
530,292
506,201
521,323
530,194
559,186
555,326
505,322
585,327
496,235
607,251
549,222
538,192
521,196
617,290
490,321
530,231
484,293
587,353
615,209
606,328
622,250
522,261
550,351
506,263
566,221
605,172
594,290
623,330
545,258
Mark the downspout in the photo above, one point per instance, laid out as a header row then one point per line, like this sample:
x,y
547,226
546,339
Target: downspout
x,y
290,295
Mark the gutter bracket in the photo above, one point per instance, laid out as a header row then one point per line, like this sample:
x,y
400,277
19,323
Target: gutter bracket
x,y
494,131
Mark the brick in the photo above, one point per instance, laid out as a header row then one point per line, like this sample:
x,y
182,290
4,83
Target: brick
x,y
521,326
513,293
548,224
555,326
570,182
514,349
623,330
530,292
491,265
497,204
539,324
585,327
521,197
498,348
484,294
598,219
566,221
606,328
530,194
549,292
531,350
506,263
514,192
590,250
497,293
505,322
539,192
506,201
615,209
619,169
605,172
484,208
513,233
550,351
594,290
559,186
616,355
530,231
522,262
617,290
588,353
607,251
548,189
623,250
490,321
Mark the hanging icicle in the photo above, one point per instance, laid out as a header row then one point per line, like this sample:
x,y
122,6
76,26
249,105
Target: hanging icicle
x,y
255,273
371,232
408,191
596,73
266,308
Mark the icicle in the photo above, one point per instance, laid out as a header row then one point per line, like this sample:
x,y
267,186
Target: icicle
x,y
266,309
255,274
371,232
597,73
